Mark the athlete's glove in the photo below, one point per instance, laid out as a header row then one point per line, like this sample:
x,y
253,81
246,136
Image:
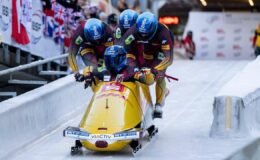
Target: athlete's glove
x,y
145,76
89,77
79,77
154,71
89,80
157,74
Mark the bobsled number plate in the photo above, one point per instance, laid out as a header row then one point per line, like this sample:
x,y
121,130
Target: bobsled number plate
x,y
82,135
113,86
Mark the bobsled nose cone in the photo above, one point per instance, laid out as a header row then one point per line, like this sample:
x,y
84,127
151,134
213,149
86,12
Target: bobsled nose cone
x,y
101,144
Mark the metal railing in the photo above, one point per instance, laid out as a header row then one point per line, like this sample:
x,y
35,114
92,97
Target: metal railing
x,y
33,64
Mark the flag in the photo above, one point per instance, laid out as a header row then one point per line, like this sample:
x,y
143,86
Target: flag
x,y
49,23
19,33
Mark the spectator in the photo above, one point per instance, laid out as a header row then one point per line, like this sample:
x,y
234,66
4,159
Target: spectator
x,y
103,16
112,21
61,18
73,17
91,11
82,3
122,5
256,41
189,45
46,4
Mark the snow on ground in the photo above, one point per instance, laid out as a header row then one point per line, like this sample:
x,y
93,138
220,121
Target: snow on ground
x,y
184,130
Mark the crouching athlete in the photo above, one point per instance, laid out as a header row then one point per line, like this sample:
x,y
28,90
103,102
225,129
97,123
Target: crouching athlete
x,y
90,41
118,67
157,41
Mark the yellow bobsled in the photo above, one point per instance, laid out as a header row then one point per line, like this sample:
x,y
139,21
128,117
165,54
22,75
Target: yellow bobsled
x,y
119,114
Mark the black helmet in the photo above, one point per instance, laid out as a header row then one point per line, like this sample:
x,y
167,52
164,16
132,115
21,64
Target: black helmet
x,y
115,58
112,19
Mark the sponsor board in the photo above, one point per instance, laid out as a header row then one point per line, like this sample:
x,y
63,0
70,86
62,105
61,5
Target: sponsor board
x,y
39,45
5,15
220,55
223,35
221,46
79,134
37,27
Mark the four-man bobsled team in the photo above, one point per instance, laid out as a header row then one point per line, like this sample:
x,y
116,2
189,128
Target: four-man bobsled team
x,y
140,49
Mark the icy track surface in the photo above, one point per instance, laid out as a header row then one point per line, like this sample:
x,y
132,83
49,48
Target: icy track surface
x,y
183,131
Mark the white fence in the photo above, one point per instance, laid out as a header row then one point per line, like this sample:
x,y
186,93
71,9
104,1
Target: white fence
x,y
237,105
27,117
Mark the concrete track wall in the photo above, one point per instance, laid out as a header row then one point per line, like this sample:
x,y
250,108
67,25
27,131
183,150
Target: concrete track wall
x,y
27,117
237,105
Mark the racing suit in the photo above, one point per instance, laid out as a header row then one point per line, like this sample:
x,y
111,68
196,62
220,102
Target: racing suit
x,y
256,42
119,32
157,54
92,53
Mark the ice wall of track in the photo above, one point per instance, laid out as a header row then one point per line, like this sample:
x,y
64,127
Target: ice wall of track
x,y
236,107
27,117
249,152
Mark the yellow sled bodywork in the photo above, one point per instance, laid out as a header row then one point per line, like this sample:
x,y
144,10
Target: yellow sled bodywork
x,y
114,108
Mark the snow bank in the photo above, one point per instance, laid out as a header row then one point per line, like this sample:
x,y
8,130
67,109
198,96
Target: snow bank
x,y
27,117
237,105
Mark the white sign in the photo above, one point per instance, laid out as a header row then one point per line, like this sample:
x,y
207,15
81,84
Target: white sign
x,y
219,35
39,44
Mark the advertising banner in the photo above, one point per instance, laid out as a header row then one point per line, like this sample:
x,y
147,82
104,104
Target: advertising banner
x,y
223,35
29,17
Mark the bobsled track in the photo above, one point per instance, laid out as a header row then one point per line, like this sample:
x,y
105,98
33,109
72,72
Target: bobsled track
x,y
183,131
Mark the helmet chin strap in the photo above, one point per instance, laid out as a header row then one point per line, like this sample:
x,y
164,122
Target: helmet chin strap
x,y
96,42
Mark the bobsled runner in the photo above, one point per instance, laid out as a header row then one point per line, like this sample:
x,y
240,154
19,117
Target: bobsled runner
x,y
119,115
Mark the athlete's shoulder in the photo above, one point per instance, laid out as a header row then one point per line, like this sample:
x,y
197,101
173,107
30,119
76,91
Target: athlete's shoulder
x,y
130,36
162,27
78,35
107,29
163,31
82,23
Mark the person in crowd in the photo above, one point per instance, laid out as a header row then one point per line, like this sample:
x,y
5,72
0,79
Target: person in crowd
x,y
90,41
46,4
112,21
103,16
82,3
189,45
91,11
256,41
118,68
61,18
126,20
157,41
122,5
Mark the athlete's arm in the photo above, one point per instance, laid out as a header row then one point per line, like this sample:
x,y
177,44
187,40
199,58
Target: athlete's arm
x,y
76,43
254,39
167,49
